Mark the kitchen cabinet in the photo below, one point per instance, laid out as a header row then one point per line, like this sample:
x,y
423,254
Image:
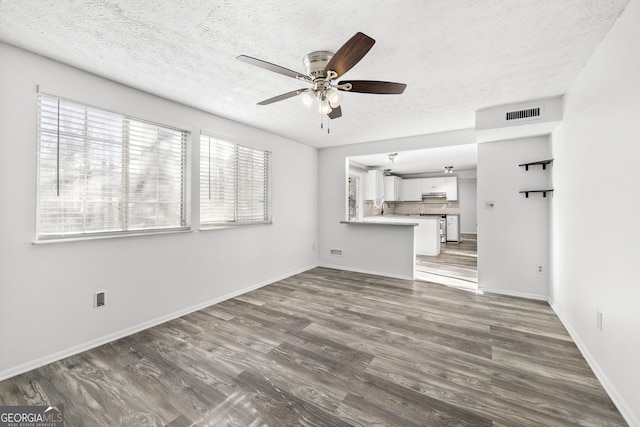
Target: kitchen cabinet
x,y
374,188
433,185
443,185
453,230
392,188
427,233
451,187
411,190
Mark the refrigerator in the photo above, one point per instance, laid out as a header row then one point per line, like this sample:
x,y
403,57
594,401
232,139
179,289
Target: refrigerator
x,y
453,228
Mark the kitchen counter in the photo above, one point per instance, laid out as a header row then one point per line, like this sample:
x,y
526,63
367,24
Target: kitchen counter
x,y
427,231
418,216
381,222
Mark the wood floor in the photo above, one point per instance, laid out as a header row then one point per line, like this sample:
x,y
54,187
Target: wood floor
x,y
457,265
334,348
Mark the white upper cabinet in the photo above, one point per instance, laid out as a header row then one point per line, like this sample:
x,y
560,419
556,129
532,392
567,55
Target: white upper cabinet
x,y
374,188
451,187
411,190
392,188
433,185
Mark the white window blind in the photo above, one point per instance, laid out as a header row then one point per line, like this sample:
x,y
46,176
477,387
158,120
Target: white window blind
x,y
235,183
101,172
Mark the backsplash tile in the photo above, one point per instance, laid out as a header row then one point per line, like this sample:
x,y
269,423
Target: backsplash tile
x,y
370,209
427,206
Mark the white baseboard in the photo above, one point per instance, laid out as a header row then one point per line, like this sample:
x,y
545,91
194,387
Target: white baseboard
x,y
625,409
514,294
31,365
359,270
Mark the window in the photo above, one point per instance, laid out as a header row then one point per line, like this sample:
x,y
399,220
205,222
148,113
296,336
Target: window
x,y
105,173
235,183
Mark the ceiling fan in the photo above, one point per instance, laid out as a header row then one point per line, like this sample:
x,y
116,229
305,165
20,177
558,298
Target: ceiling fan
x,y
322,69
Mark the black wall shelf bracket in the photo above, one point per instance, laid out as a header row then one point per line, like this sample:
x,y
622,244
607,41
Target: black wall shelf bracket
x,y
544,192
544,164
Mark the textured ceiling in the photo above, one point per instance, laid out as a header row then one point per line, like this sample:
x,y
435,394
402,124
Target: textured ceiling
x,y
456,56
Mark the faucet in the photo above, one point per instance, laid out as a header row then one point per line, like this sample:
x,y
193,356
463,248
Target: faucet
x,y
382,209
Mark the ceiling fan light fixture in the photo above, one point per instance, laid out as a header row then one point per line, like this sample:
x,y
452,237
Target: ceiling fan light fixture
x,y
322,68
392,157
307,98
448,169
334,97
324,107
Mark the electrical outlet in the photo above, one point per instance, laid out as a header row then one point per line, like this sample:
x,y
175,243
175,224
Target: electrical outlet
x,y
599,320
539,269
99,298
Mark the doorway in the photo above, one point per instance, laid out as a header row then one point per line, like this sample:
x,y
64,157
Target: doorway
x,y
456,266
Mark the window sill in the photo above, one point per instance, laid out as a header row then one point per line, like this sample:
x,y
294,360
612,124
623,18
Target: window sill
x,y
209,227
107,236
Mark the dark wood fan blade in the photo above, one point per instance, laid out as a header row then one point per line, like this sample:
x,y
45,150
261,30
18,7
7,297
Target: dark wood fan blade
x,y
335,113
350,54
272,67
373,86
283,96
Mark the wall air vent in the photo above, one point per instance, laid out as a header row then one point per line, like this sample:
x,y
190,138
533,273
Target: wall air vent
x,y
99,298
529,113
335,252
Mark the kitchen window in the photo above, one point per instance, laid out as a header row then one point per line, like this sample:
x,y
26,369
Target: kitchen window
x,y
102,173
235,183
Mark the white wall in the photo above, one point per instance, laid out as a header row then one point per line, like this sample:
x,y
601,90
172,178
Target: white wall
x,y
494,117
378,250
595,250
468,199
46,291
513,236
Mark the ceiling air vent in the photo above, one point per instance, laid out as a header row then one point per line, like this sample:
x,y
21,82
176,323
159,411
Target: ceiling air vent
x,y
529,113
